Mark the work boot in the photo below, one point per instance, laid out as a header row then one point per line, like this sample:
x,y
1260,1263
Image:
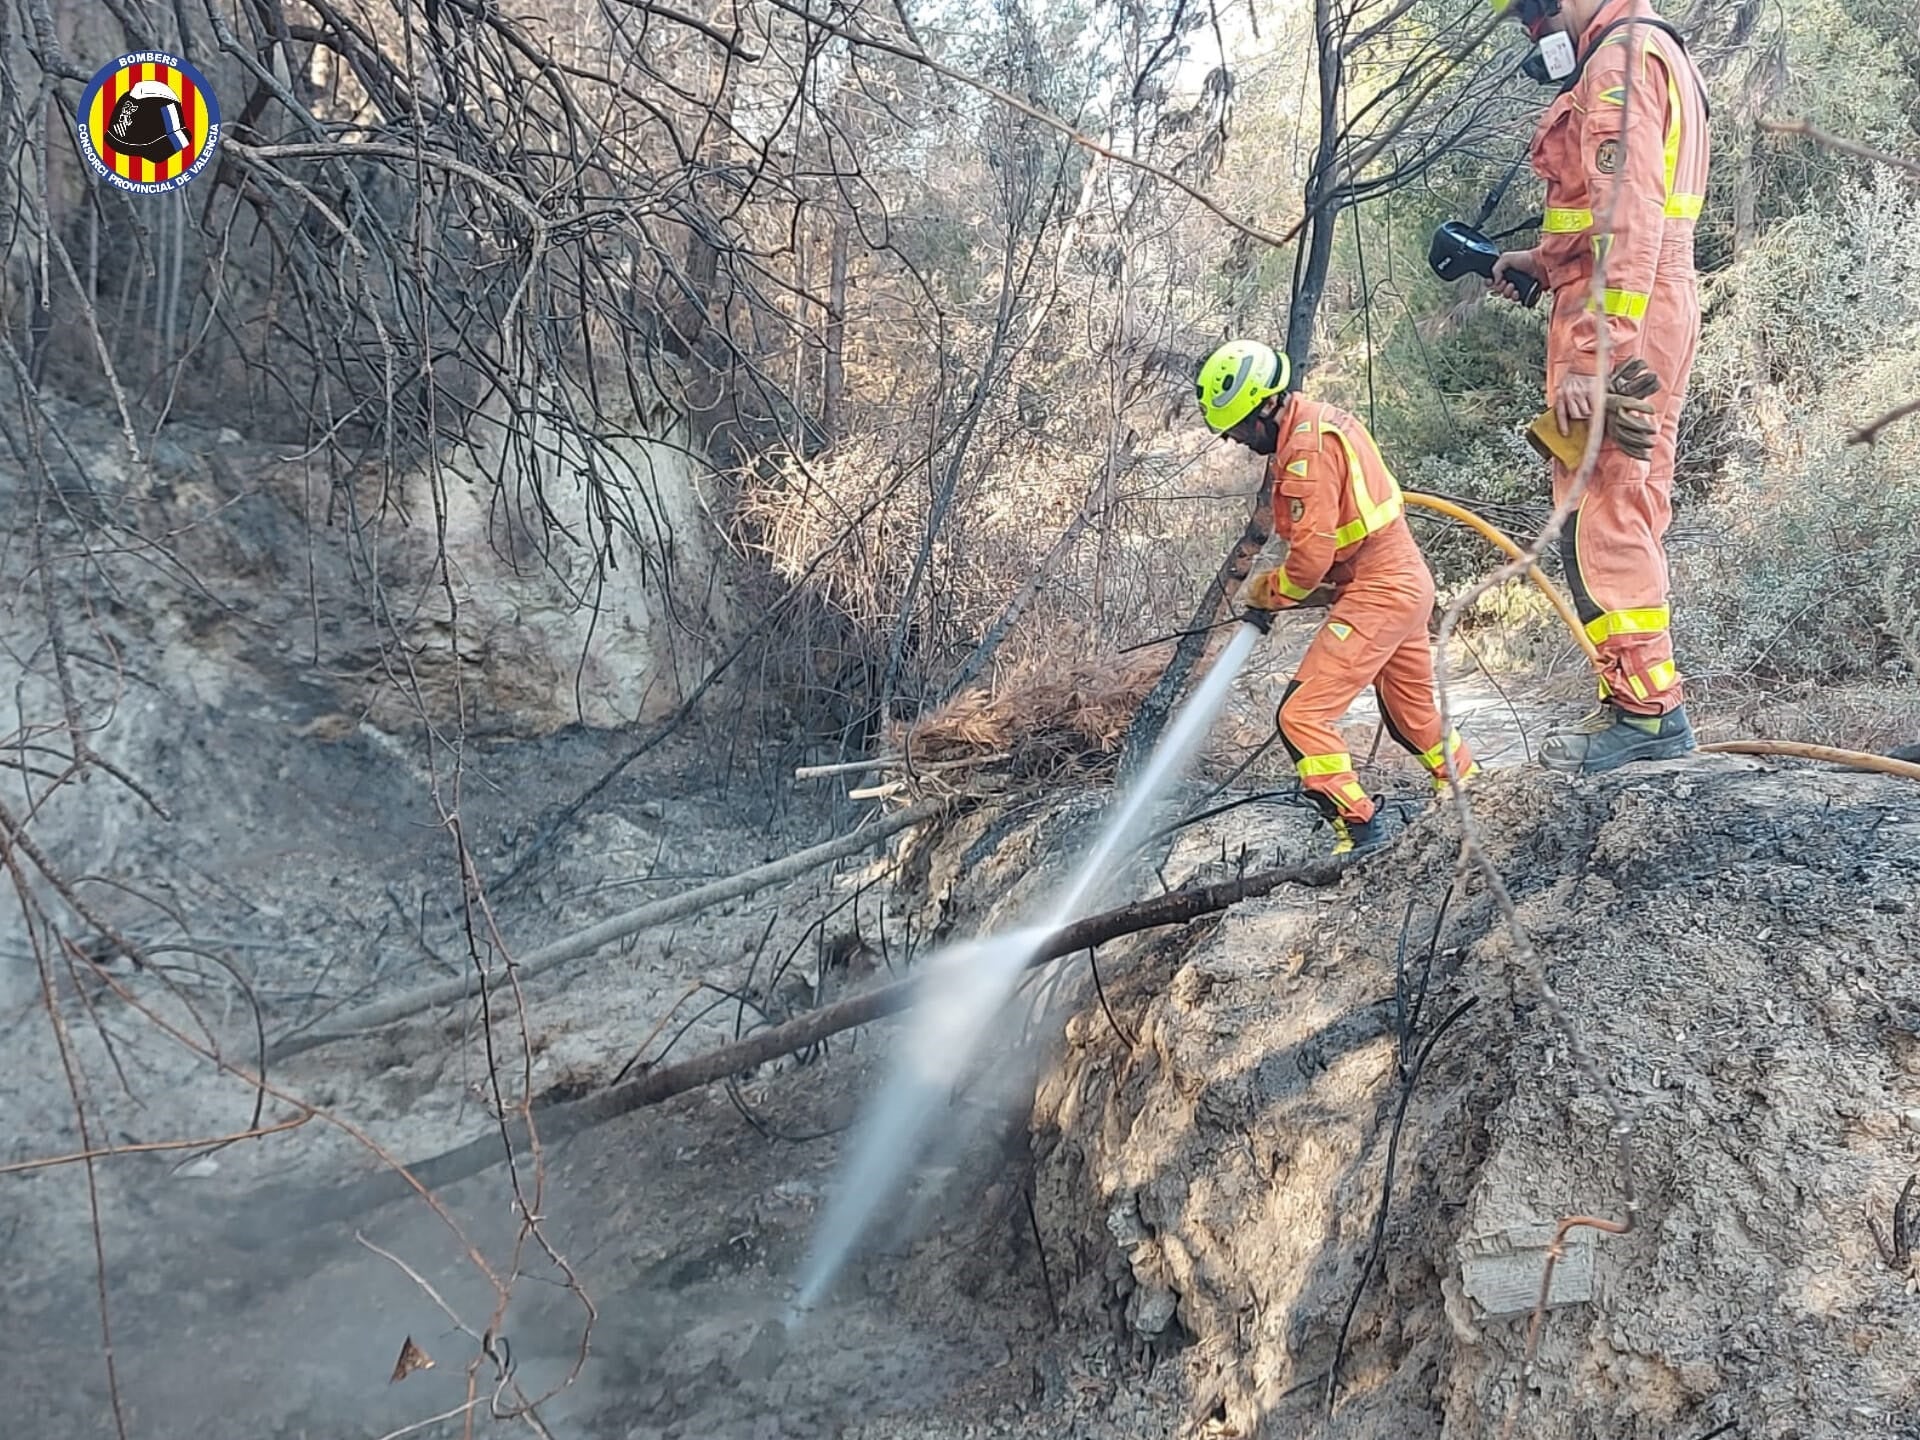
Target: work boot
x,y
1626,739
1601,717
1356,837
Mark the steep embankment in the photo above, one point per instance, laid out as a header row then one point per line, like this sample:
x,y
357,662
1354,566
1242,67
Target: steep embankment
x,y
1739,948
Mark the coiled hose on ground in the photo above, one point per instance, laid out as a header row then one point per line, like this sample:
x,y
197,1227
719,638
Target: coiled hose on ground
x,y
1853,759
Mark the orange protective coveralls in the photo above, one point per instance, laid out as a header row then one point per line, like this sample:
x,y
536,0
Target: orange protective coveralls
x,y
1624,154
1338,508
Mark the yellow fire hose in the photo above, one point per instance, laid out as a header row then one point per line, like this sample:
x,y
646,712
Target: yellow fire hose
x,y
1853,759
1498,539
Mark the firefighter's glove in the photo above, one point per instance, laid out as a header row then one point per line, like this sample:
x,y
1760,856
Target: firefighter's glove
x,y
1262,594
1630,418
1634,377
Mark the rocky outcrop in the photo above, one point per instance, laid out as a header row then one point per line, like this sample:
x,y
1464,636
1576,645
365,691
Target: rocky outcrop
x,y
1737,948
523,587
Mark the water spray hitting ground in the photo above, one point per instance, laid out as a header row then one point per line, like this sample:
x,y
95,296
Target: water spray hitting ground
x,y
966,987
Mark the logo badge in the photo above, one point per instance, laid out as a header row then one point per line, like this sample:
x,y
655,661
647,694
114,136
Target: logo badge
x,y
1606,158
148,123
1296,509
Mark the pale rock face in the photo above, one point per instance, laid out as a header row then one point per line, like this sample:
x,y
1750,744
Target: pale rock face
x,y
558,644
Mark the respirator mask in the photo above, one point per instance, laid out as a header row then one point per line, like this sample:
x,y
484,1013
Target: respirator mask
x,y
1553,59
1260,432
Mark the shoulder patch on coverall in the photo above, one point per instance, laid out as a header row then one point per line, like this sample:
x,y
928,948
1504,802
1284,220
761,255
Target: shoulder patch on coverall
x,y
1606,159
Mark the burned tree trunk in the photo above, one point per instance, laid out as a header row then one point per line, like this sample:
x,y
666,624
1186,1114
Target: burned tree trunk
x,y
834,396
1322,198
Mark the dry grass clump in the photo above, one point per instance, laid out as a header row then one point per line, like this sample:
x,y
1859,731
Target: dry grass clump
x,y
1047,715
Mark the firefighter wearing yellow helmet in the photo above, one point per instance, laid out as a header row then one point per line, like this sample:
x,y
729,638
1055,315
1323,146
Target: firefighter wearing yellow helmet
x,y
1338,508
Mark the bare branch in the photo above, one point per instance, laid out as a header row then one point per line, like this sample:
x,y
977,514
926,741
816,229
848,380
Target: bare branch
x,y
1034,112
1809,131
1867,434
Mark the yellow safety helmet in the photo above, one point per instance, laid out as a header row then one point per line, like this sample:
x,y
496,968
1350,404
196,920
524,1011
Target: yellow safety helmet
x,y
1236,378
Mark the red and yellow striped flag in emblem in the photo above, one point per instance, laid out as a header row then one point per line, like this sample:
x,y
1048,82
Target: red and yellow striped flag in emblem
x,y
187,114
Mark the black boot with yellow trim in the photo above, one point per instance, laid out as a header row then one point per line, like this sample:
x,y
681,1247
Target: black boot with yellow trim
x,y
1357,837
1625,739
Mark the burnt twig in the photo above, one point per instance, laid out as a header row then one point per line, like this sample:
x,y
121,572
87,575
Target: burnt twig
x,y
1897,1249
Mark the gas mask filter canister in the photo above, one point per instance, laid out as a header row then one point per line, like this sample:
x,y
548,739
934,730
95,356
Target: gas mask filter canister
x,y
1556,55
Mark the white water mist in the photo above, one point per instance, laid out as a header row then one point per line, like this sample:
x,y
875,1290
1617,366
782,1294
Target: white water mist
x,y
965,987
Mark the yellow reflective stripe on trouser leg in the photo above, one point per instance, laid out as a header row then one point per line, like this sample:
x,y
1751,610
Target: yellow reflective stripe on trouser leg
x,y
1560,221
1436,757
1372,516
1650,621
1323,764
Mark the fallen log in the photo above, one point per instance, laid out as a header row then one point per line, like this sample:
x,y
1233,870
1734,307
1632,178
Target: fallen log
x,y
559,1121
616,927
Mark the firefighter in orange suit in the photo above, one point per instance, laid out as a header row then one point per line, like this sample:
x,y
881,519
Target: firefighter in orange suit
x,y
1338,508
1623,151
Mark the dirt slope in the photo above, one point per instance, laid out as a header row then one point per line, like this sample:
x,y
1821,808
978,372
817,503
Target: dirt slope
x,y
1739,948
1737,944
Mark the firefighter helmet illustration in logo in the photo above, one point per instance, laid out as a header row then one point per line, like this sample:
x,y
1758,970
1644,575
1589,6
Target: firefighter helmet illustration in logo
x,y
148,123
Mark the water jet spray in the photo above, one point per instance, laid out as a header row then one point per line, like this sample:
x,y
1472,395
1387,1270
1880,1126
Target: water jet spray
x,y
965,988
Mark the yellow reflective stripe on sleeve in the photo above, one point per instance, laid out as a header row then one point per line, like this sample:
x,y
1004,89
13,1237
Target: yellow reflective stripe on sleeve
x,y
1284,583
1557,221
1671,159
1323,764
1372,516
1630,303
1650,621
1352,533
1678,206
